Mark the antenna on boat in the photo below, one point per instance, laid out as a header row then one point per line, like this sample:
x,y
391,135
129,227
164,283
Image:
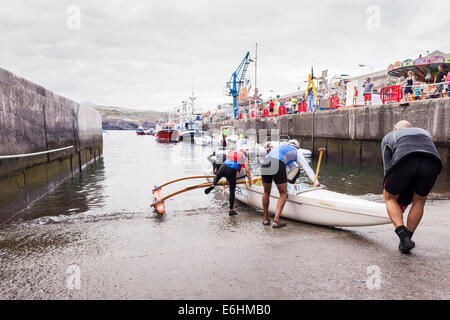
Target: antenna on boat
x,y
192,98
256,66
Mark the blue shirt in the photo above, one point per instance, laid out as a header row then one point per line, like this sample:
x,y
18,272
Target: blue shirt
x,y
285,153
235,164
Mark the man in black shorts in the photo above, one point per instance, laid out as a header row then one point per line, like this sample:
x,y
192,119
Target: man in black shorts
x,y
411,166
278,162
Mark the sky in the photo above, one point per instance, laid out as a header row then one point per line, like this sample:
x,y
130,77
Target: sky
x,y
151,55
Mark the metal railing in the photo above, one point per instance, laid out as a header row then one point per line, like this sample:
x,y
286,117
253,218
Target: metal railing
x,y
34,154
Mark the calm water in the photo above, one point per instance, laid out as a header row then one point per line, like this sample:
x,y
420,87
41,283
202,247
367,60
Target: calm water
x,y
122,182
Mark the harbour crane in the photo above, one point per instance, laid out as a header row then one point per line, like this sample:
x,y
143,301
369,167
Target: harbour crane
x,y
237,79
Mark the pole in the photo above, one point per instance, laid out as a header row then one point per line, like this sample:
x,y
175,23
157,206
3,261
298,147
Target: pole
x,y
256,66
234,96
318,166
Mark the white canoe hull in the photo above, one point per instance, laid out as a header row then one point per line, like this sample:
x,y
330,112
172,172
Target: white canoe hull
x,y
317,206
320,206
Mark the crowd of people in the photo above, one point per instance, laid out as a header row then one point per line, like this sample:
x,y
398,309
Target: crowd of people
x,y
411,90
415,90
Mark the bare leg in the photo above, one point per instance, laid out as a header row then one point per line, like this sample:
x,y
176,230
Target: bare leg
x,y
393,209
282,189
416,212
266,199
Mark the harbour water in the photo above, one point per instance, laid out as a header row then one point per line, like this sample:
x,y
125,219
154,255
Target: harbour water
x,y
100,225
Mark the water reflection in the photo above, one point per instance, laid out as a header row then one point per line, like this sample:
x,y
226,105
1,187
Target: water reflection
x,y
76,195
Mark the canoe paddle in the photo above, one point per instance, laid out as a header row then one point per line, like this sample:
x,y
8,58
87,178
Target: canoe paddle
x,y
318,165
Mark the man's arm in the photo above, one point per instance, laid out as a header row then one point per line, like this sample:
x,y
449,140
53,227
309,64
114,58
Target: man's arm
x,y
247,171
309,171
386,151
211,158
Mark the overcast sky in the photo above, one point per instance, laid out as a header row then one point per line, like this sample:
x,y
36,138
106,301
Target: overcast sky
x,y
150,54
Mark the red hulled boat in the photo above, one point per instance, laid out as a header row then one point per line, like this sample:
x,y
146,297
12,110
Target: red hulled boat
x,y
168,134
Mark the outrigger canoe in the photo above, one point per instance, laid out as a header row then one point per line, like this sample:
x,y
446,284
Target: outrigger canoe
x,y
318,206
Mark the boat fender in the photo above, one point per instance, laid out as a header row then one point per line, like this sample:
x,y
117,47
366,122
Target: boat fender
x,y
159,207
158,204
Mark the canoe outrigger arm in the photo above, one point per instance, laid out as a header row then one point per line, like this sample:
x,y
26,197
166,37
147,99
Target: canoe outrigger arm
x,y
158,200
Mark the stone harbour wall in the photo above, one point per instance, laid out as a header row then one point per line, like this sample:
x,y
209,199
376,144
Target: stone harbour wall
x,y
33,119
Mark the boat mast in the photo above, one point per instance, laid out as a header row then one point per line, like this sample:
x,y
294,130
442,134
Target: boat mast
x,y
192,98
256,66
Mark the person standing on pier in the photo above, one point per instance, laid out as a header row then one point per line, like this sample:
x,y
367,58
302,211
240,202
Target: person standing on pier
x,y
271,106
439,80
278,163
235,161
224,140
368,87
409,81
311,102
294,103
411,166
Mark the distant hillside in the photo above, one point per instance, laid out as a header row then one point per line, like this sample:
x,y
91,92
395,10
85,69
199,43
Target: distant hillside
x,y
116,118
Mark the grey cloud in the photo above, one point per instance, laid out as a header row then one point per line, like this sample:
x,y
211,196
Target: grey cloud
x,y
149,54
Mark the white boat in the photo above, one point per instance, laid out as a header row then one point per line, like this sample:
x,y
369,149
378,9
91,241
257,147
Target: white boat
x,y
192,128
253,148
319,206
203,140
231,137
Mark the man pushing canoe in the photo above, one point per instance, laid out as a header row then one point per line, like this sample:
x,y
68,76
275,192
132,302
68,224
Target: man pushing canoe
x,y
277,165
411,166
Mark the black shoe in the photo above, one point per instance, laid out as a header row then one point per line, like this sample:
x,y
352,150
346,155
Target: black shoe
x,y
208,190
406,244
232,213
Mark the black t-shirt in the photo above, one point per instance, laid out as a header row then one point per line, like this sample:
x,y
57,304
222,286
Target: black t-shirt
x,y
440,76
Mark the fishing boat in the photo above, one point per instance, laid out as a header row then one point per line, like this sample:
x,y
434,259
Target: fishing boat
x,y
168,133
191,129
140,131
150,132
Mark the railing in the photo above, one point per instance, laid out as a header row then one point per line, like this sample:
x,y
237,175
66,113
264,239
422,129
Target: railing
x,y
334,103
34,154
302,107
392,93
